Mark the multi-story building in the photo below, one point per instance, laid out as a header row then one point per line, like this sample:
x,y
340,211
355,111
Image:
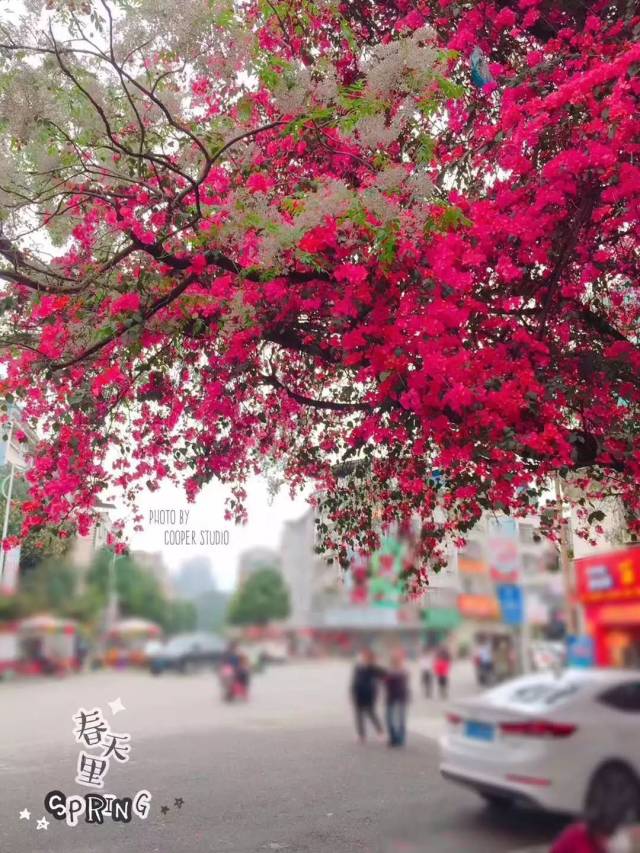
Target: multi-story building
x,y
152,562
16,441
298,568
195,578
85,546
503,554
337,608
254,559
605,578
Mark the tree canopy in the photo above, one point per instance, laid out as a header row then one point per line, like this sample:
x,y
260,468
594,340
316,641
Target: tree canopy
x,y
55,584
262,598
275,236
140,594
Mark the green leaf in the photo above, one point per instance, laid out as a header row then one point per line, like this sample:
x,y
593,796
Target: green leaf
x,y
425,151
245,108
450,89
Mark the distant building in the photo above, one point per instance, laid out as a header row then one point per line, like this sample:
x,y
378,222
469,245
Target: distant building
x,y
196,582
194,578
605,577
313,584
503,553
211,609
254,559
84,547
152,562
17,439
462,598
612,523
327,607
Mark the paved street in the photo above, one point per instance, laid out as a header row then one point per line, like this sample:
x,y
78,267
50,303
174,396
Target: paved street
x,y
283,772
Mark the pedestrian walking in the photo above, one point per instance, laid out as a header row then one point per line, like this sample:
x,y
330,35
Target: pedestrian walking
x,y
427,660
484,661
397,697
503,664
364,692
442,668
230,665
242,678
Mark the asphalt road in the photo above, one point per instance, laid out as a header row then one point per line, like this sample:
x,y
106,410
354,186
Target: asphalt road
x,y
283,772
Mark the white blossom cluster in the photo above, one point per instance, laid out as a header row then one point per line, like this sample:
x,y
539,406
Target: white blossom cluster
x,y
292,94
388,66
277,236
184,29
332,199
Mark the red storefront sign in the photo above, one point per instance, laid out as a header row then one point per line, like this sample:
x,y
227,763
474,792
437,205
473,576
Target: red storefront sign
x,y
609,577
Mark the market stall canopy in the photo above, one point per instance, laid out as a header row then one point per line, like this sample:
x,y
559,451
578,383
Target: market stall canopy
x,y
136,626
46,623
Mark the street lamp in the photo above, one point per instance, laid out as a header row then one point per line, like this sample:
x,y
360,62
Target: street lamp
x,y
112,596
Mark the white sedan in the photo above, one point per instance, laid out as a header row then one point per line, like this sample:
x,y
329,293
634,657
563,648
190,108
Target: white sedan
x,y
562,742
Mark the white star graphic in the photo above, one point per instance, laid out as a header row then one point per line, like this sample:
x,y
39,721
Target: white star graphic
x,y
116,706
25,814
43,823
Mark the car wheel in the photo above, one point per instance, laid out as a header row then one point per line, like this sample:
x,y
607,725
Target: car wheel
x,y
614,790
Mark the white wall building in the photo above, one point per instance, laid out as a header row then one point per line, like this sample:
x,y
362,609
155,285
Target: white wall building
x,y
85,547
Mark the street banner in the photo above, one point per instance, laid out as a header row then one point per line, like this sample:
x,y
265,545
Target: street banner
x,y
511,604
385,585
581,651
505,562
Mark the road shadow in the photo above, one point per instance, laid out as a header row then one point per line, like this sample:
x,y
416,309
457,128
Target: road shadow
x,y
516,820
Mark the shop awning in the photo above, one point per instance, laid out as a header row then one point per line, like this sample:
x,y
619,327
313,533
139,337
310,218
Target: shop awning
x,y
441,618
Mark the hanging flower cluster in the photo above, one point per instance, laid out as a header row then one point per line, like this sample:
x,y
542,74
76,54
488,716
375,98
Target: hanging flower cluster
x,y
388,248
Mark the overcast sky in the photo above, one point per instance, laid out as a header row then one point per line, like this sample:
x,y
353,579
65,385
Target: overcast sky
x,y
207,514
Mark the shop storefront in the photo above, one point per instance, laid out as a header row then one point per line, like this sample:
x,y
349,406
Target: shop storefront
x,y
439,623
608,588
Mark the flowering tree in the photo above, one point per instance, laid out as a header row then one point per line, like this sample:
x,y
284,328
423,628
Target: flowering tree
x,y
279,236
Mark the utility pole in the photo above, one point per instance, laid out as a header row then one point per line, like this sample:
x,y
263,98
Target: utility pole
x,y
7,497
565,563
111,609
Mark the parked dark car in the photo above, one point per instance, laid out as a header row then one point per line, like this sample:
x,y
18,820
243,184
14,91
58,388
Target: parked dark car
x,y
187,653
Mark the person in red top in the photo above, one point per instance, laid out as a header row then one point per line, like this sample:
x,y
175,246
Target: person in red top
x,y
578,838
591,835
442,667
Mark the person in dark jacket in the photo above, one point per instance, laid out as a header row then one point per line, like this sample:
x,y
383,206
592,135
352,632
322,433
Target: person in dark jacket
x,y
364,692
397,696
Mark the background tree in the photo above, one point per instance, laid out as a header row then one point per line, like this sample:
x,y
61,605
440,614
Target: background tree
x,y
282,236
139,593
262,598
179,616
51,585
43,543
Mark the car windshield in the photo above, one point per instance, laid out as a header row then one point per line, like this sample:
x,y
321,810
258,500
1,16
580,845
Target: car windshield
x,y
194,642
182,644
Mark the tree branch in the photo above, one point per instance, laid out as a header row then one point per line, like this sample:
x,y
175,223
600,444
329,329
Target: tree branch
x,y
329,405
